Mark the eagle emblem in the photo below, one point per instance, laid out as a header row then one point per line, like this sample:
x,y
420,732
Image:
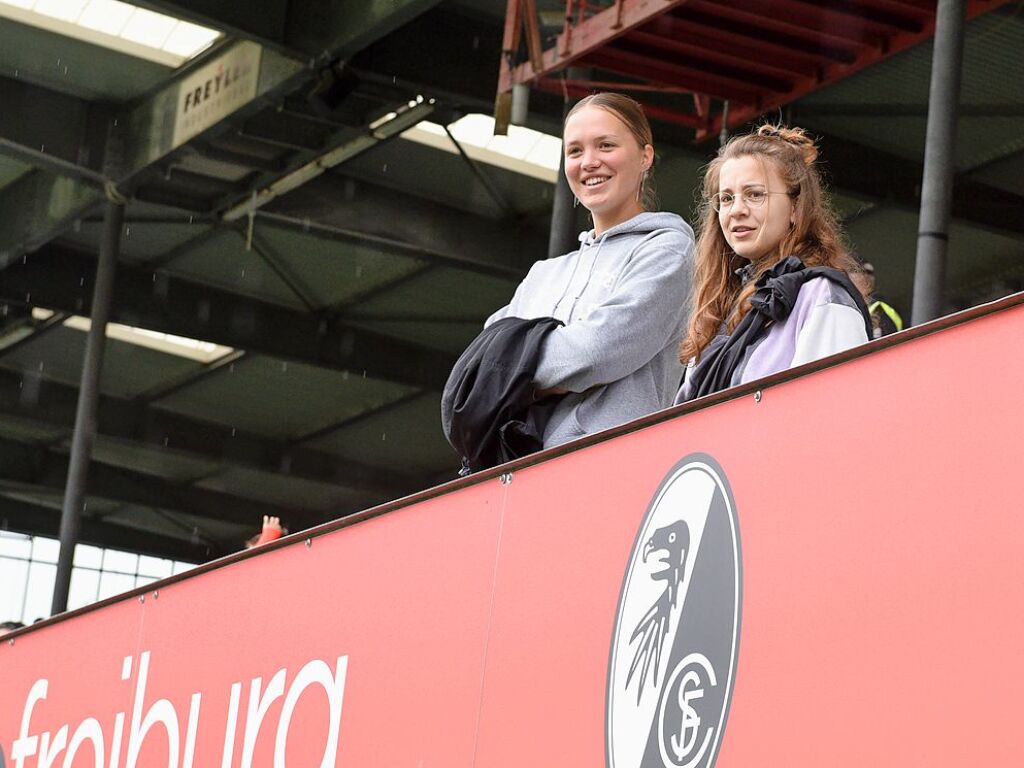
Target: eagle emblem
x,y
677,625
670,546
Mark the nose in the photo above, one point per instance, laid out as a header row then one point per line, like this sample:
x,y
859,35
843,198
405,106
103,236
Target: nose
x,y
739,207
590,160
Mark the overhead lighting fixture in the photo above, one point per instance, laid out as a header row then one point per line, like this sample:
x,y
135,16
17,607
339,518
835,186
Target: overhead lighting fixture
x,y
524,150
119,26
193,349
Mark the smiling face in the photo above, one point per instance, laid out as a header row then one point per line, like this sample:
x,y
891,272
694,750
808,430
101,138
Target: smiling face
x,y
604,164
754,231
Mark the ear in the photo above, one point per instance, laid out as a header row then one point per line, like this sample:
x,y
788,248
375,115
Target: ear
x,y
647,158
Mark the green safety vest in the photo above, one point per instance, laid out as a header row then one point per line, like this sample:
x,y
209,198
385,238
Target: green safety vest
x,y
892,313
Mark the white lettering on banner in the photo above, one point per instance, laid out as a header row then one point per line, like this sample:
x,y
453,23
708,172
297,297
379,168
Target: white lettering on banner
x,y
229,727
48,752
91,729
47,746
315,672
161,712
258,707
25,746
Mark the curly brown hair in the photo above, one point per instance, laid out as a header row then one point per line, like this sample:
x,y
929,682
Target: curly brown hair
x,y
719,296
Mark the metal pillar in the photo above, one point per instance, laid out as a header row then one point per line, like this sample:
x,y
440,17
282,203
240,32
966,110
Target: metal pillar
x,y
564,224
88,396
520,103
563,237
940,145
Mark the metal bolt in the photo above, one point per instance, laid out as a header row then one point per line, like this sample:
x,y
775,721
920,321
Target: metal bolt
x,y
309,543
142,598
11,641
156,593
757,396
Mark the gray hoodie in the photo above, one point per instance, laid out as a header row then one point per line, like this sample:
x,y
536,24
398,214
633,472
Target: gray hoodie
x,y
623,298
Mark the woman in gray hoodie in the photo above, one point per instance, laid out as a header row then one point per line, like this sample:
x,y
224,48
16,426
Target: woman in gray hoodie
x,y
622,296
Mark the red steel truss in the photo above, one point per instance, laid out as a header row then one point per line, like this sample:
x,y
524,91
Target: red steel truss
x,y
751,55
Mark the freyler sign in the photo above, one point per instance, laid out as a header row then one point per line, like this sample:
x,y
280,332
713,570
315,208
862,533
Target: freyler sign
x,y
673,656
215,90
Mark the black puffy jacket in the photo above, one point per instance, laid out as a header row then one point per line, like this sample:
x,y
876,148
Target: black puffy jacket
x,y
488,409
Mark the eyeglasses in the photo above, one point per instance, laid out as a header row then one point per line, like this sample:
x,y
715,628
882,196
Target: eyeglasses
x,y
752,198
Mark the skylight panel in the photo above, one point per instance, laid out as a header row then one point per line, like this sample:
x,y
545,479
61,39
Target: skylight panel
x,y
116,25
148,28
193,349
65,10
108,16
524,150
186,38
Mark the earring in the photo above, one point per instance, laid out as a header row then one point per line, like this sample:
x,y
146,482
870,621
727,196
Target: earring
x,y
640,186
575,202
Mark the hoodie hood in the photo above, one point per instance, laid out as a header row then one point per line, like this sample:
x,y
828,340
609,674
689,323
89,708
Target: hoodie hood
x,y
641,224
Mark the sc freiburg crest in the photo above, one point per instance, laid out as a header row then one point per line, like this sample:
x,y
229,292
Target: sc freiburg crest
x,y
673,656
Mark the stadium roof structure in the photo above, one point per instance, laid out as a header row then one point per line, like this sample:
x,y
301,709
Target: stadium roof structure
x,y
725,63
299,268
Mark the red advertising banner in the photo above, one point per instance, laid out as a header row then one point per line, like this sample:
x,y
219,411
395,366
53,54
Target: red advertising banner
x,y
824,572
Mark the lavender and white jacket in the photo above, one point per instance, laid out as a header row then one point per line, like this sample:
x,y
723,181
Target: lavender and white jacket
x,y
824,320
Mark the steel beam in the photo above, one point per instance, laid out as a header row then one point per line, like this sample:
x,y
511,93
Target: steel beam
x,y
345,27
47,468
584,38
344,144
655,68
736,45
53,131
61,278
343,206
33,330
311,28
861,170
39,520
53,404
699,56
40,205
848,22
842,65
805,110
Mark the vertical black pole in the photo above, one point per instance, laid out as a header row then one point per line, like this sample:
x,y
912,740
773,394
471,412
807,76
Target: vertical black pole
x,y
88,396
564,227
939,158
563,237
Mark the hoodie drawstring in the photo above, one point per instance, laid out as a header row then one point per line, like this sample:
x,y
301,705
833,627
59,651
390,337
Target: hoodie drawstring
x,y
596,244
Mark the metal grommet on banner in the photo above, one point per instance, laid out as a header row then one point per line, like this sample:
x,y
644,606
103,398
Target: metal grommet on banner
x,y
142,598
309,543
757,396
506,478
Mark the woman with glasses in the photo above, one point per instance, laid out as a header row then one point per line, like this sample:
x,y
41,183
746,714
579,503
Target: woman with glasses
x,y
771,289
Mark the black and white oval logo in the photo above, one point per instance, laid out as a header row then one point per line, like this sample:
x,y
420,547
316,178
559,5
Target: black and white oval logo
x,y
673,656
